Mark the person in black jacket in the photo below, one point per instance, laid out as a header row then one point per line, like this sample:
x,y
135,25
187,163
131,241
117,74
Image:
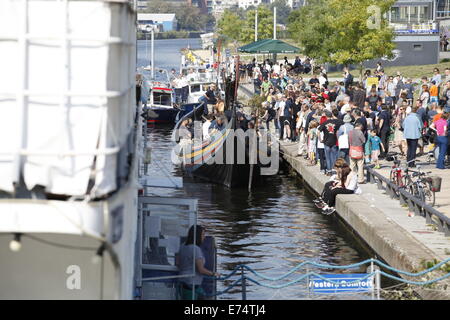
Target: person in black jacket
x,y
384,127
359,96
348,79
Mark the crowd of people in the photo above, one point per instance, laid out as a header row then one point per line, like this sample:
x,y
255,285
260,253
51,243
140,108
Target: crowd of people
x,y
357,122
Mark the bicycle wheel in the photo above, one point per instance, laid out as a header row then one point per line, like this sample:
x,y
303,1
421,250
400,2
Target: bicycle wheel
x,y
415,191
394,179
407,183
429,196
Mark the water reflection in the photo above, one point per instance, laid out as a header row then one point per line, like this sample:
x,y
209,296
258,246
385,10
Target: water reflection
x,y
271,230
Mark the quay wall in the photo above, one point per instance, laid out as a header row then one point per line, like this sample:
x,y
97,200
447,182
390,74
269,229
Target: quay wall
x,y
386,238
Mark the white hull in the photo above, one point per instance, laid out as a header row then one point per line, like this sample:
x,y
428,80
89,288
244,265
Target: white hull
x,y
67,104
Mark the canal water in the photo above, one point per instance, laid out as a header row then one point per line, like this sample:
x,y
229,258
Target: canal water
x,y
272,229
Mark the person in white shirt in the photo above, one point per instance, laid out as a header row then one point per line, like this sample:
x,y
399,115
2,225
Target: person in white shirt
x,y
300,126
256,72
176,85
276,69
322,80
205,127
184,85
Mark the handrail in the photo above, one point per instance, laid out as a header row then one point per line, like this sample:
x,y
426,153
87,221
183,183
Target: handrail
x,y
414,204
305,276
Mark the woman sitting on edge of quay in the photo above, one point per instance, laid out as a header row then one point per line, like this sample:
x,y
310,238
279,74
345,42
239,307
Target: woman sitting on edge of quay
x,y
343,182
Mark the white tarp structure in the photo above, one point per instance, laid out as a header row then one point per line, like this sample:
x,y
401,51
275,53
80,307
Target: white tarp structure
x,y
66,94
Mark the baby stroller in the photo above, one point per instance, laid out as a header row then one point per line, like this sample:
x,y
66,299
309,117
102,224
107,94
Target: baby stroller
x,y
429,138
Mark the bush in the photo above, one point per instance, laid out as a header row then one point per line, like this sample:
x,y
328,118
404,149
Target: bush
x,y
164,35
446,60
256,103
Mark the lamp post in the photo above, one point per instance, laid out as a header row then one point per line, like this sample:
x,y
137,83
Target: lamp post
x,y
153,52
151,29
146,31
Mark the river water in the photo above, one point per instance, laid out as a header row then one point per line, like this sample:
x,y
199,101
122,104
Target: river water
x,y
272,229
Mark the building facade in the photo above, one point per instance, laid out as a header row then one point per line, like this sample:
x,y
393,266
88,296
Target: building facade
x,y
163,21
417,32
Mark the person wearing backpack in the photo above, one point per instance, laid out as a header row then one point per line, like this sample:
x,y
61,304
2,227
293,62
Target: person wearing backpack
x,y
343,141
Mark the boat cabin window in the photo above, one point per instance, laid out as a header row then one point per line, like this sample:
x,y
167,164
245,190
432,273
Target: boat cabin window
x,y
196,88
162,98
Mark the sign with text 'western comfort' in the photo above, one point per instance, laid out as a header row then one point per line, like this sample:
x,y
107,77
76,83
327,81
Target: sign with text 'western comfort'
x,y
359,282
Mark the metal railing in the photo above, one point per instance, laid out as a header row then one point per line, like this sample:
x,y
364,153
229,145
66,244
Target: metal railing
x,y
414,204
416,28
442,14
373,274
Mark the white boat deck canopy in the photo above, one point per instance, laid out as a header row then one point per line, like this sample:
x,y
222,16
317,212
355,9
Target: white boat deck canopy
x,y
66,109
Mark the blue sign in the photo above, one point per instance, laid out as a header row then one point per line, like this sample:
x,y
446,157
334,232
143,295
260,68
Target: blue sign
x,y
358,282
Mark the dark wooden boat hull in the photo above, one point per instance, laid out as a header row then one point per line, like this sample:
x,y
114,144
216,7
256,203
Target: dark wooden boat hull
x,y
162,116
198,161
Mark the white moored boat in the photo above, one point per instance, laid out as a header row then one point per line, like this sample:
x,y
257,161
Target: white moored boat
x,y
69,152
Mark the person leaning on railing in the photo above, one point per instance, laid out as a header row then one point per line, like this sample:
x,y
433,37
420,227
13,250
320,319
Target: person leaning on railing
x,y
191,286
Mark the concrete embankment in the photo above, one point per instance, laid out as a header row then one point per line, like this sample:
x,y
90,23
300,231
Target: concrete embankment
x,y
404,242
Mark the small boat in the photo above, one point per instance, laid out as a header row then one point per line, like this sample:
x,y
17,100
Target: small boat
x,y
160,107
200,74
197,89
227,158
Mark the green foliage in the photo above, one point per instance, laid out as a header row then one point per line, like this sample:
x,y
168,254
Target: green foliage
x,y
265,25
430,264
339,32
240,12
189,17
159,6
165,35
229,25
256,101
283,10
233,27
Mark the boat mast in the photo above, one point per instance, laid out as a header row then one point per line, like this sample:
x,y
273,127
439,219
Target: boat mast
x,y
153,52
236,80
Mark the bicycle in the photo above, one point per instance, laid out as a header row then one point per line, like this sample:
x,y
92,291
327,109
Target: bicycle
x,y
396,174
422,187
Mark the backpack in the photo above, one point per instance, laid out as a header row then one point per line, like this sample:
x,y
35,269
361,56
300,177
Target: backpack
x,y
343,140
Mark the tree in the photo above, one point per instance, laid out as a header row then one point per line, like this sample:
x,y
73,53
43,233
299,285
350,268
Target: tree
x,y
283,10
343,32
265,25
308,27
229,25
159,6
190,18
363,33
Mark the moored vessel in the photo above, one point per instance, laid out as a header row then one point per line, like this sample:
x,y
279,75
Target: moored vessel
x,y
69,168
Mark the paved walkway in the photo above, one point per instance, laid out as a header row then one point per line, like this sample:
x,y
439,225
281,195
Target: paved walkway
x,y
443,197
403,241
